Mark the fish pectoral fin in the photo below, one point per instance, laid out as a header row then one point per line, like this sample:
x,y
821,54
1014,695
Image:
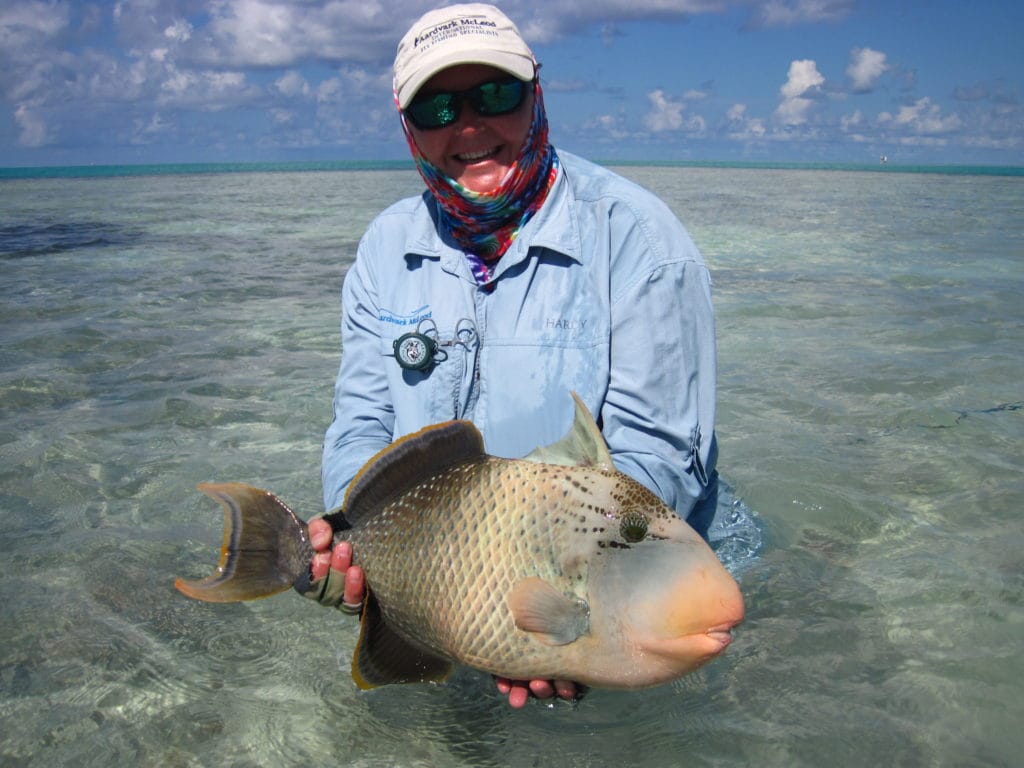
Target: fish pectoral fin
x,y
383,657
555,618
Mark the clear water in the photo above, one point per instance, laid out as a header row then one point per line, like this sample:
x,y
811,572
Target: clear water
x,y
159,331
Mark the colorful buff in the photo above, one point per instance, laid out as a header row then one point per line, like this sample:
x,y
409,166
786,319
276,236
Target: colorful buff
x,y
484,224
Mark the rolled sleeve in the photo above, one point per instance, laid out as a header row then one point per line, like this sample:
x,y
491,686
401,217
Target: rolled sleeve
x,y
363,416
659,413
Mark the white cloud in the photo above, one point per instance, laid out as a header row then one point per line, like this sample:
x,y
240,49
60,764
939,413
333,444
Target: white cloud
x,y
865,67
207,91
756,128
328,90
279,33
283,116
804,80
32,127
803,76
665,115
180,31
319,70
851,122
29,47
149,131
780,13
292,85
32,20
739,127
922,117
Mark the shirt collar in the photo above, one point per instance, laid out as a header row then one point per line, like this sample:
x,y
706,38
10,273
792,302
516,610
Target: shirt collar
x,y
555,227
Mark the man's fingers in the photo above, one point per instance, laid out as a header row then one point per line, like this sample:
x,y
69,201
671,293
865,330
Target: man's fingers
x,y
341,557
566,689
542,689
355,585
321,565
519,691
320,534
518,695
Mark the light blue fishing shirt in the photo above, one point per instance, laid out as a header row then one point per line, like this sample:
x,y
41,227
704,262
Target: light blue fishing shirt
x,y
602,292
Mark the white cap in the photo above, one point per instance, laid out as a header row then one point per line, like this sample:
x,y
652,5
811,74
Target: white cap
x,y
474,33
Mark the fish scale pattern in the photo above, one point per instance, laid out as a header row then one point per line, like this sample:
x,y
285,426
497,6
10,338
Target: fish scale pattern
x,y
443,558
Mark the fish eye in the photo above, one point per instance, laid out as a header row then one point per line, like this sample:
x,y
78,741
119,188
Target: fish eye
x,y
633,528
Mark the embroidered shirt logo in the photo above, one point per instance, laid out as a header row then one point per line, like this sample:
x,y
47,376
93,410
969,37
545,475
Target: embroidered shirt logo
x,y
565,324
411,318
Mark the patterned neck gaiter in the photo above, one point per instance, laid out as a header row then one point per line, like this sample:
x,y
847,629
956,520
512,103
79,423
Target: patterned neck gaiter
x,y
485,224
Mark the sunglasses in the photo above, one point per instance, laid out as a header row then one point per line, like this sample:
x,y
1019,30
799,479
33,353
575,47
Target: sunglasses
x,y
490,99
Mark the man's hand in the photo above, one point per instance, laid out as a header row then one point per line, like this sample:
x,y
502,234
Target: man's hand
x,y
519,691
336,564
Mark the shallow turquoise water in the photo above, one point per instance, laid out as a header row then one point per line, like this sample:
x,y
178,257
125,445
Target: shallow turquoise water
x,y
163,331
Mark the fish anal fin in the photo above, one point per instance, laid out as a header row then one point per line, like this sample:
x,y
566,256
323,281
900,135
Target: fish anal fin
x,y
582,446
553,617
409,461
384,657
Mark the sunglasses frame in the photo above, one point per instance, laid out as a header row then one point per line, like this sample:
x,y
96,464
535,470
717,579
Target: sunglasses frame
x,y
473,96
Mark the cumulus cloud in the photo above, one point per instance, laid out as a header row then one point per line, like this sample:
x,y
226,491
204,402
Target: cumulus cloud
x,y
30,33
865,67
607,127
180,31
31,21
779,13
546,22
741,127
292,85
736,113
147,131
923,117
667,115
207,91
32,127
802,85
996,91
308,72
281,33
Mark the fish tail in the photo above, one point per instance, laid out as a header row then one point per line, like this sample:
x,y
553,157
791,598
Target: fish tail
x,y
265,549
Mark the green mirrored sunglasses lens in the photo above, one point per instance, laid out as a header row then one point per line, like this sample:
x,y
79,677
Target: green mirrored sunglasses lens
x,y
434,112
498,97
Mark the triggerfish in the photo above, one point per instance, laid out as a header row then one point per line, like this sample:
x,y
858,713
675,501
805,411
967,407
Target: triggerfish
x,y
554,566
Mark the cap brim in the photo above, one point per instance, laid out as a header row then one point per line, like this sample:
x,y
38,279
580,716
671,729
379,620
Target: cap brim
x,y
515,64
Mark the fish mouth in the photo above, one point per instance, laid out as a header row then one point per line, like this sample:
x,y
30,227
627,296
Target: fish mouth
x,y
695,648
721,635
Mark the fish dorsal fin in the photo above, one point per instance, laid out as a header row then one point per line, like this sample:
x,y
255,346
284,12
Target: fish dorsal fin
x,y
409,461
382,656
582,446
551,616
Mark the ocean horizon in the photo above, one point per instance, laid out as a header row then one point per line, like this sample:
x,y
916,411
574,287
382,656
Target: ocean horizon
x,y
296,166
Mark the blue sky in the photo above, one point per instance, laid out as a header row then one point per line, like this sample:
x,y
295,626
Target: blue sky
x,y
151,81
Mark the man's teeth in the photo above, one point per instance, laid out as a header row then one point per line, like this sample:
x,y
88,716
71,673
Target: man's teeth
x,y
471,156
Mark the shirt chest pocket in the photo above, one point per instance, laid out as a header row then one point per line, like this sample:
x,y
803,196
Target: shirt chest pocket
x,y
434,367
